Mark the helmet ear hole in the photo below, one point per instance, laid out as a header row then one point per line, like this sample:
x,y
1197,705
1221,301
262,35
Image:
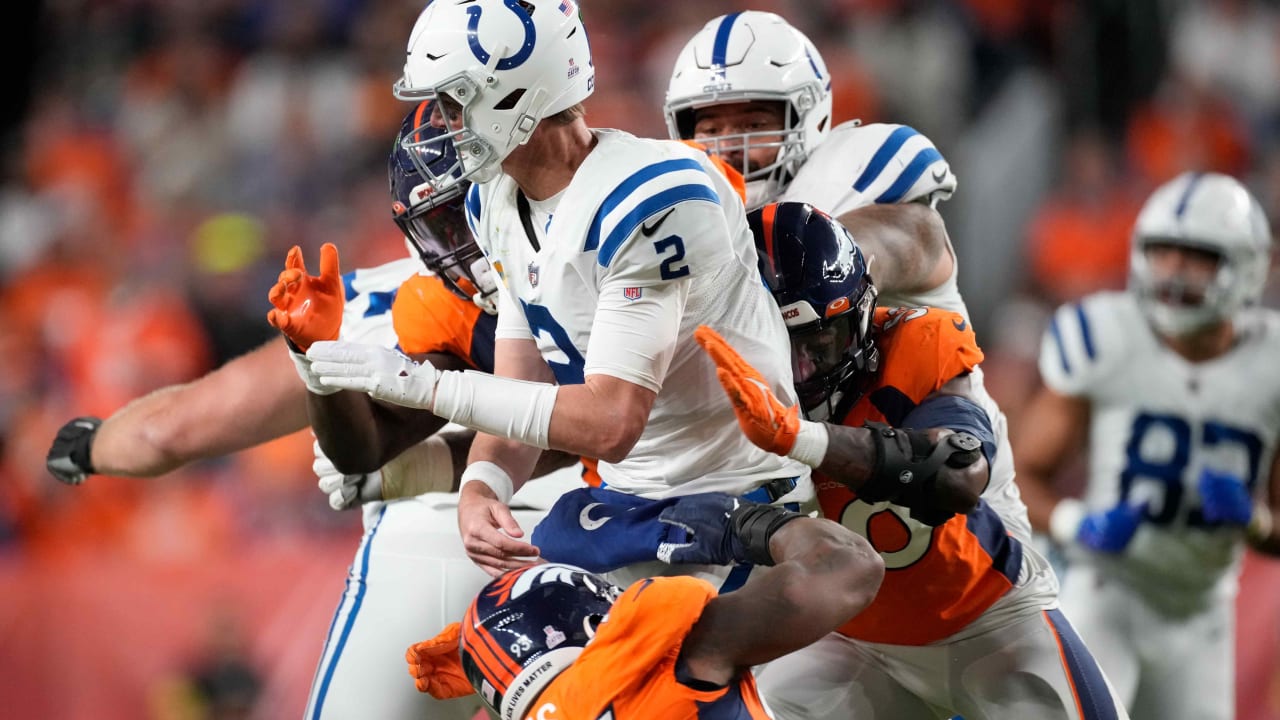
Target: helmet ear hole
x,y
510,100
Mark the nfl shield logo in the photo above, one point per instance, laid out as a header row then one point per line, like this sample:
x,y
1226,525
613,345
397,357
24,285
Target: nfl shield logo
x,y
631,293
533,275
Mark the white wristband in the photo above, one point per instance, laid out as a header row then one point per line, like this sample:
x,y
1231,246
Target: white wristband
x,y
495,477
303,364
1065,520
811,443
501,406
1260,525
423,468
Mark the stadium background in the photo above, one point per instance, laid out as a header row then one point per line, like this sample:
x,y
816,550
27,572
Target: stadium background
x,y
161,156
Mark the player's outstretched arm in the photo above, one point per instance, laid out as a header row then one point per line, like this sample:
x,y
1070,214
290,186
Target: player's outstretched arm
x,y
252,399
1262,531
824,575
908,242
1053,426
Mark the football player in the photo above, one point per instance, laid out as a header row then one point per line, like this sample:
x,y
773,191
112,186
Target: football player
x,y
410,574
555,642
1172,386
612,249
756,92
966,620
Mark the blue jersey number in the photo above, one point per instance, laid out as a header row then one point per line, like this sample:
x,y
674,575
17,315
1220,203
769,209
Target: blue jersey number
x,y
540,321
669,269
1169,472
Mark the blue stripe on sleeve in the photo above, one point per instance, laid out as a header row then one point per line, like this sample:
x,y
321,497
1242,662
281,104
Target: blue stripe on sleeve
x,y
721,47
473,206
1085,332
626,227
1056,333
887,150
348,286
910,174
628,186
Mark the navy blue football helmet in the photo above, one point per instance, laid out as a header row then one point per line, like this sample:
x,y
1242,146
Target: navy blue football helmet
x,y
430,215
819,278
527,627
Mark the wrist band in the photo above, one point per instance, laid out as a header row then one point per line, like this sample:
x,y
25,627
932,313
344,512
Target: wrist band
x,y
1064,521
493,476
811,443
1260,525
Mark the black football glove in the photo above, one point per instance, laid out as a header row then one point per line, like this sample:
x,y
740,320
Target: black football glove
x,y
68,458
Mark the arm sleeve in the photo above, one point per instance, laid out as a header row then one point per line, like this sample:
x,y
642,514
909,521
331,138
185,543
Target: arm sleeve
x,y
955,413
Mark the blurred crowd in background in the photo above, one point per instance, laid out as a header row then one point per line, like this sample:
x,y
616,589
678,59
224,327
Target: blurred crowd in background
x,y
161,156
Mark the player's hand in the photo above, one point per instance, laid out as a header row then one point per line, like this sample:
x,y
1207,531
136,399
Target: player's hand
x,y
382,372
68,457
763,418
700,531
345,491
436,666
1224,498
308,308
1111,530
489,531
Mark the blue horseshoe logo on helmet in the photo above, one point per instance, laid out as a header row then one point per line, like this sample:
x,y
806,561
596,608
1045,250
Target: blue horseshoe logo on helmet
x,y
506,63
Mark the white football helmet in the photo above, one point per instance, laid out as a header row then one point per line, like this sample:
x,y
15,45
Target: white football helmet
x,y
748,56
507,63
1210,212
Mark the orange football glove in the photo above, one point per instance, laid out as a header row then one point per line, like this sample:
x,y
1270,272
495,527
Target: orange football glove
x,y
765,420
436,666
308,308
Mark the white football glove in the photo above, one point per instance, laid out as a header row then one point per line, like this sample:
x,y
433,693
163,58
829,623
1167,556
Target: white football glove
x,y
345,491
383,373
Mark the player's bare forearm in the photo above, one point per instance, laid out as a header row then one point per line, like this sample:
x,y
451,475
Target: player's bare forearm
x,y
1264,532
824,575
601,418
250,400
516,459
909,242
359,434
460,441
1052,425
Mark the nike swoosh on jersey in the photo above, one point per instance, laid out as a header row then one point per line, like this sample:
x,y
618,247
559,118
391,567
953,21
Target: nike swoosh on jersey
x,y
648,229
960,325
940,175
589,523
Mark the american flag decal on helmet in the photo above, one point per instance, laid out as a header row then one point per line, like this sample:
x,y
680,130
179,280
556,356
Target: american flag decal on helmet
x,y
567,8
631,293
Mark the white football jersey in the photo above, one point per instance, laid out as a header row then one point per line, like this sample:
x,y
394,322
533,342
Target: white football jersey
x,y
859,165
648,231
1157,421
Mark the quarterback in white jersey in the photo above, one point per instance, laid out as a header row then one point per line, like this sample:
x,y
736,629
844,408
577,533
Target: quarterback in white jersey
x,y
1176,383
633,243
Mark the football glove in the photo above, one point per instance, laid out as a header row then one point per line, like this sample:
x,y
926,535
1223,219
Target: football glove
x,y
308,308
436,665
383,373
1224,498
68,457
763,418
718,529
1111,530
345,491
